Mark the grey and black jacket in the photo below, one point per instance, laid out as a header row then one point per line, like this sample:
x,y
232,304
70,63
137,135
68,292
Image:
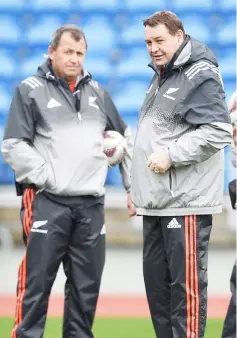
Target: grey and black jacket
x,y
184,111
54,139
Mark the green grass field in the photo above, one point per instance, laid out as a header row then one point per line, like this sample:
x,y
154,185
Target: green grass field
x,y
111,328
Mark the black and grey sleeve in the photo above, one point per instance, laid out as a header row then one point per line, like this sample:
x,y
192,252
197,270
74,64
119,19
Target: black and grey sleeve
x,y
205,109
17,146
20,121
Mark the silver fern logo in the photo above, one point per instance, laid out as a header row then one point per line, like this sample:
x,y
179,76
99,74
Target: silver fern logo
x,y
170,91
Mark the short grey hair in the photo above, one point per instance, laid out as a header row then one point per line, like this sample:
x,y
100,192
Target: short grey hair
x,y
75,31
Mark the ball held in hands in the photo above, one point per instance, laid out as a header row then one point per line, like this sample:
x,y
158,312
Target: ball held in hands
x,y
114,147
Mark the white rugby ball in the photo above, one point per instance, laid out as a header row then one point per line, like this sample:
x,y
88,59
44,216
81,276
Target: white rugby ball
x,y
232,106
114,147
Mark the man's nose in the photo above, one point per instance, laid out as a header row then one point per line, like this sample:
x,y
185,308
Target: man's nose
x,y
154,47
74,58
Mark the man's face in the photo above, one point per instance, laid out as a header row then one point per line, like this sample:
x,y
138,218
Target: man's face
x,y
67,59
161,44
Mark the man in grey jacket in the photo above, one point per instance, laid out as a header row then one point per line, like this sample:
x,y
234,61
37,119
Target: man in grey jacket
x,y
54,143
177,174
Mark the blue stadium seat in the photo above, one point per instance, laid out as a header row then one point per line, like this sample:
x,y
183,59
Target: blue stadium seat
x,y
3,120
30,65
1,135
95,5
227,5
230,87
100,34
227,30
6,173
99,67
187,5
41,31
11,5
129,97
44,5
114,177
133,32
10,33
141,5
5,99
132,122
197,27
227,63
7,64
134,63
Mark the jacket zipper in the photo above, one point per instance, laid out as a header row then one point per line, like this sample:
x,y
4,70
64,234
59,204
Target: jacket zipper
x,y
67,98
170,181
150,104
71,104
53,78
154,96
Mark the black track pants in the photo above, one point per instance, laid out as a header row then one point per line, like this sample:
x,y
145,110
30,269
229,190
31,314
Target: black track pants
x,y
175,273
56,233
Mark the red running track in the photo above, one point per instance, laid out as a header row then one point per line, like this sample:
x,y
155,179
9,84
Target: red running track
x,y
113,306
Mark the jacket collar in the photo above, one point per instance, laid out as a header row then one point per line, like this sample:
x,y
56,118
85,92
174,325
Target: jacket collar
x,y
46,70
180,57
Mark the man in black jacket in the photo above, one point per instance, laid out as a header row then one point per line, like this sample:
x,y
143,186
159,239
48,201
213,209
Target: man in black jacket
x,y
54,143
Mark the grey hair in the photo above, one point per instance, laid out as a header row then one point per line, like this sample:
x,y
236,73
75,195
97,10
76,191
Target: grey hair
x,y
75,31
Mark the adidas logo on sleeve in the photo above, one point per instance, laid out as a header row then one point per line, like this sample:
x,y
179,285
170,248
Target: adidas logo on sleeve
x,y
174,224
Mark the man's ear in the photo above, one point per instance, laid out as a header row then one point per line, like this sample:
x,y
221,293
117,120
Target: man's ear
x,y
180,36
50,52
